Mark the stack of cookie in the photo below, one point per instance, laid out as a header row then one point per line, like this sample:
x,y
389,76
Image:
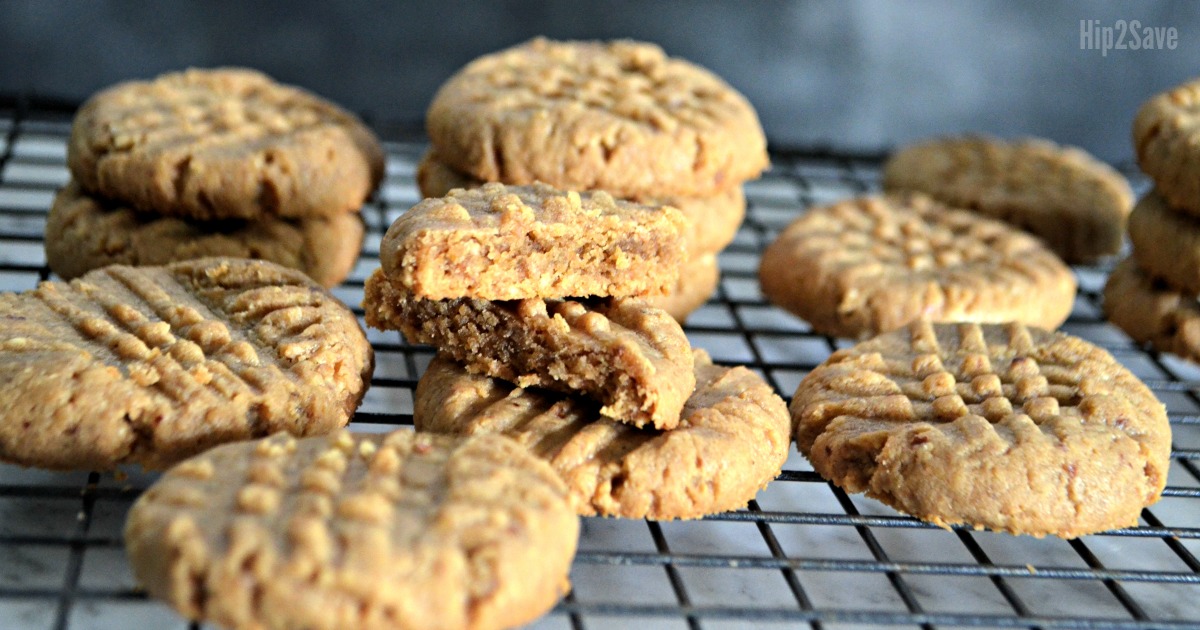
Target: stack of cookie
x,y
618,116
531,296
219,162
1152,294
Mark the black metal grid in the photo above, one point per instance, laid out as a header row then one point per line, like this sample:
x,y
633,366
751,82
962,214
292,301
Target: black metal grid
x,y
802,553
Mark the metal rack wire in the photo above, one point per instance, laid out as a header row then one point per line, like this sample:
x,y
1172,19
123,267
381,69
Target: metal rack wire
x,y
802,553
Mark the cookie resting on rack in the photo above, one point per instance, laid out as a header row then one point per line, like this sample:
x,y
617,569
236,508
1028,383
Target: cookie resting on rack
x,y
872,264
149,365
226,143
619,116
996,426
732,439
1072,201
630,356
398,531
85,233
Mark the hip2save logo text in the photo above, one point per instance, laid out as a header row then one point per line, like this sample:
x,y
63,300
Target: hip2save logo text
x,y
1126,35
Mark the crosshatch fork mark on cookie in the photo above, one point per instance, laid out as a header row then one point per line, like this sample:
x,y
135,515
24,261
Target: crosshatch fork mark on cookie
x,y
149,365
946,383
998,426
999,373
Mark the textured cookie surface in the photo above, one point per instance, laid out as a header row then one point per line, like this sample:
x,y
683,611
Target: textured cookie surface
x,y
731,441
224,143
998,426
619,116
631,357
1166,243
84,233
698,278
873,264
356,531
712,221
149,365
1152,312
512,242
1166,139
1072,201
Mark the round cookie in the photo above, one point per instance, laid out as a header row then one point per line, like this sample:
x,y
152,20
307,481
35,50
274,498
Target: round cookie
x,y
1166,243
731,441
994,426
149,365
84,233
1152,312
223,144
619,116
873,264
698,278
400,531
1072,201
1166,139
713,221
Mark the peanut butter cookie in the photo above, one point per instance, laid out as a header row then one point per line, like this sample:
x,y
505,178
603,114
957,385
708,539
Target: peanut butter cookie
x,y
732,439
619,116
228,143
150,365
84,233
1152,312
513,242
873,264
1166,243
1166,139
996,426
712,222
1072,201
406,530
622,352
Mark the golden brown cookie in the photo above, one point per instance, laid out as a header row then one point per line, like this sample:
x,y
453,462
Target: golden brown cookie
x,y
1166,243
150,365
405,530
698,278
513,242
731,441
84,233
631,357
873,264
225,143
619,116
1152,312
712,221
1072,201
995,426
1166,139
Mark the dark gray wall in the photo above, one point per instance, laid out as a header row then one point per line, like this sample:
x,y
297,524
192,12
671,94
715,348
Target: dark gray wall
x,y
860,74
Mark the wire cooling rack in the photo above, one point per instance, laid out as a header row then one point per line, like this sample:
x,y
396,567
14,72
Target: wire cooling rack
x,y
803,553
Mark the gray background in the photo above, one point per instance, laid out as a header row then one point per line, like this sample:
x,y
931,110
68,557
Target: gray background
x,y
860,75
